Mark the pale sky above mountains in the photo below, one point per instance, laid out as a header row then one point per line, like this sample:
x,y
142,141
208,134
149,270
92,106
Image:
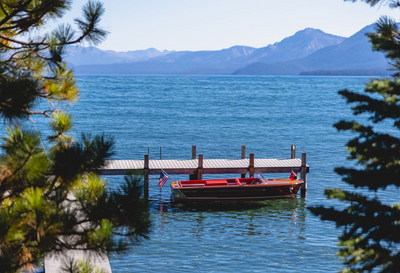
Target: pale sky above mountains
x,y
218,24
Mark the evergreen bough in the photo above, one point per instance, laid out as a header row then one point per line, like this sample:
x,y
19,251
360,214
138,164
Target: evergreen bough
x,y
54,200
371,238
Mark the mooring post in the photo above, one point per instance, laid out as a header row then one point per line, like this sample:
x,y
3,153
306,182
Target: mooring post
x,y
146,177
193,176
303,174
251,165
193,151
200,168
293,148
293,154
243,175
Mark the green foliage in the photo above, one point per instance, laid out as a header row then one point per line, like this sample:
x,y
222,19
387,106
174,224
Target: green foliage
x,y
81,266
17,96
61,123
371,238
55,201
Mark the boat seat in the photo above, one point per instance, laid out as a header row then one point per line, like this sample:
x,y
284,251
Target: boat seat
x,y
192,185
216,183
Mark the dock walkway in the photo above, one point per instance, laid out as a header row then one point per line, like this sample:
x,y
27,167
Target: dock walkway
x,y
210,166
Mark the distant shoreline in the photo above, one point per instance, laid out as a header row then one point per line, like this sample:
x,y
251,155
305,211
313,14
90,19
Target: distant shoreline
x,y
350,72
205,77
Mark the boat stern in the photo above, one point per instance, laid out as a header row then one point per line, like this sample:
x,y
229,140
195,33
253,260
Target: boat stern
x,y
176,194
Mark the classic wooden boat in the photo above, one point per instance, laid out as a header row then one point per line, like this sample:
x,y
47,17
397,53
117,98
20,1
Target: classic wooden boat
x,y
234,189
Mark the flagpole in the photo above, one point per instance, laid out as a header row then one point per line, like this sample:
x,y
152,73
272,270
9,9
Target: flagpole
x,y
169,175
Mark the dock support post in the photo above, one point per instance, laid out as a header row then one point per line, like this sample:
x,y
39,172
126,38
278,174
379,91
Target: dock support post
x,y
243,175
194,155
251,165
293,149
200,168
193,151
146,177
303,174
293,154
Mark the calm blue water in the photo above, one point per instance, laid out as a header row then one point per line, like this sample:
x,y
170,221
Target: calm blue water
x,y
219,114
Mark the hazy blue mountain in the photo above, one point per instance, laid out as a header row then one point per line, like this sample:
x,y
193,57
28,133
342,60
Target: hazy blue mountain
x,y
354,53
224,61
229,55
94,56
307,52
300,45
220,62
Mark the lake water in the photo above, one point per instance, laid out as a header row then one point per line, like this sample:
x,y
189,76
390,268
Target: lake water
x,y
218,115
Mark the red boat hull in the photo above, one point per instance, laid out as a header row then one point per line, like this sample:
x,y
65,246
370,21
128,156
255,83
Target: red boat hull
x,y
233,189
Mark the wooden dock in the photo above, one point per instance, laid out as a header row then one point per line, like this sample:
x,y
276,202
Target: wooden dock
x,y
210,166
196,167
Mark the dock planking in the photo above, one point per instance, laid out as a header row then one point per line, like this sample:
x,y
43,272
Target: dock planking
x,y
210,166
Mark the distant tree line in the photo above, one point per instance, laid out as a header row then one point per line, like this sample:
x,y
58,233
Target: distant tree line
x,y
350,72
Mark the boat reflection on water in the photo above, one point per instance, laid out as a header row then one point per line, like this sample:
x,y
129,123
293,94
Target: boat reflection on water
x,y
237,218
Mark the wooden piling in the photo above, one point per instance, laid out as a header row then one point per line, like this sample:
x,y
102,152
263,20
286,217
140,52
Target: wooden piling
x,y
243,175
293,154
303,174
251,165
194,155
146,177
200,168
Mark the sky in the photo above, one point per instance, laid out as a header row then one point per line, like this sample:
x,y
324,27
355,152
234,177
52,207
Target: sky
x,y
217,24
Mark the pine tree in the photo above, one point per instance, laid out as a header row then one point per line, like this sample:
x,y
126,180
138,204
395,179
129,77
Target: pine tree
x,y
371,238
54,200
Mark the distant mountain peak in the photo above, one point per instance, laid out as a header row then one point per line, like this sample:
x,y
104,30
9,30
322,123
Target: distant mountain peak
x,y
353,55
313,31
309,30
242,46
299,45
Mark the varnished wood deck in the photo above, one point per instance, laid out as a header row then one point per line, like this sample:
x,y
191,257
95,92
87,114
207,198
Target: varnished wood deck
x,y
210,166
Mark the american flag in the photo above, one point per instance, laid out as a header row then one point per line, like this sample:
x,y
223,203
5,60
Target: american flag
x,y
163,178
293,176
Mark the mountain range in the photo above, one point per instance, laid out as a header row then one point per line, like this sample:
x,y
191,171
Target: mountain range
x,y
307,52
